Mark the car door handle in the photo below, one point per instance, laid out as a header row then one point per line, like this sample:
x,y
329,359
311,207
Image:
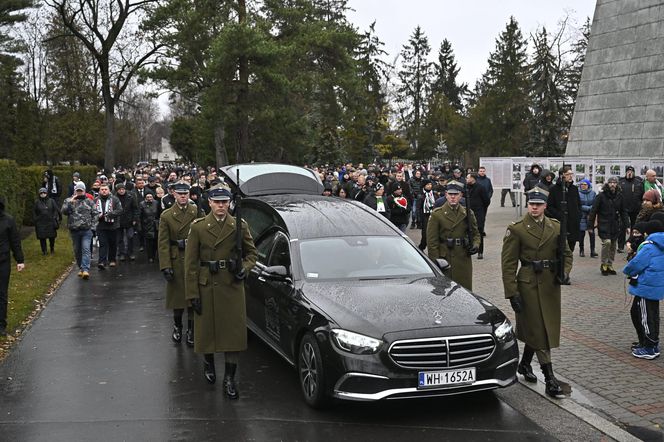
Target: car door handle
x,y
261,279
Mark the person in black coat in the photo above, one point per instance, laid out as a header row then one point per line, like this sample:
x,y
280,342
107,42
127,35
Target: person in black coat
x,y
399,206
149,225
128,222
631,187
479,203
10,244
53,186
377,201
554,205
532,179
612,220
46,216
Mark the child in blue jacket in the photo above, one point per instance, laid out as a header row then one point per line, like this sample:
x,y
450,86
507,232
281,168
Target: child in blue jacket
x,y
646,273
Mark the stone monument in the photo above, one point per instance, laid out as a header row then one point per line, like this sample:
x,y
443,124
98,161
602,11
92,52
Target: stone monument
x,y
620,105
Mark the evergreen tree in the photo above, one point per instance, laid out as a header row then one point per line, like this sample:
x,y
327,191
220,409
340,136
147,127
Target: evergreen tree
x,y
445,77
548,121
501,109
414,81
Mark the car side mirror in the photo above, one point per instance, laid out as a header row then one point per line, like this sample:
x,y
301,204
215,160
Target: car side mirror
x,y
443,264
279,273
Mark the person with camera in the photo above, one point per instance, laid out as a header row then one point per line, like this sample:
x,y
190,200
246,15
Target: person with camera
x,y
452,234
109,209
533,288
82,220
174,226
215,271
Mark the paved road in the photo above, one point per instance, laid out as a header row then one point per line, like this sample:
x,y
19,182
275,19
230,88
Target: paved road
x,y
99,365
596,335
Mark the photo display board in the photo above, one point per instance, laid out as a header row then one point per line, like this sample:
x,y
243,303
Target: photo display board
x,y
597,170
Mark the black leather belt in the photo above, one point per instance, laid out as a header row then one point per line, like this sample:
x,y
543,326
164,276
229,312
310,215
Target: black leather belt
x,y
221,264
539,266
455,242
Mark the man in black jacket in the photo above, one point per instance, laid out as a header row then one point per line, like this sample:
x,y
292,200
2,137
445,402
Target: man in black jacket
x,y
128,222
554,206
532,178
479,201
631,187
10,244
609,209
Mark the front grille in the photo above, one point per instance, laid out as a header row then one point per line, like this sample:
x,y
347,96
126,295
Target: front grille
x,y
443,352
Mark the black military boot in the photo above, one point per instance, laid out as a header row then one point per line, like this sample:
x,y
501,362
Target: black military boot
x,y
190,333
208,368
581,252
524,368
553,388
177,334
229,381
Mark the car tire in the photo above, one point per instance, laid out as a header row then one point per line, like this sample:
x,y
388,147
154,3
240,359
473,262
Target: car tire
x,y
311,372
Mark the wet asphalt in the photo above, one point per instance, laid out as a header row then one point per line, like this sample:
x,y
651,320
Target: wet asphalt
x,y
99,365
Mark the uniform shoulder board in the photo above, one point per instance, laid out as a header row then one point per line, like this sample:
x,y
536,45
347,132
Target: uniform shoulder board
x,y
197,220
436,209
555,221
517,222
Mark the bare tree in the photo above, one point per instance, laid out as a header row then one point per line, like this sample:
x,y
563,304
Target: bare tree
x,y
111,32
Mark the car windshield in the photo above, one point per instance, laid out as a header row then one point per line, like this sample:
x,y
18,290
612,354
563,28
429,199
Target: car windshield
x,y
377,257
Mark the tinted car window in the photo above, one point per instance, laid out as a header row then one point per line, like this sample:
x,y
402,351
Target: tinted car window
x,y
280,253
263,249
361,257
259,220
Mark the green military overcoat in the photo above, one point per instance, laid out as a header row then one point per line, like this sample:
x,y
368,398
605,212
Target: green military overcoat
x,y
174,225
446,222
538,325
222,325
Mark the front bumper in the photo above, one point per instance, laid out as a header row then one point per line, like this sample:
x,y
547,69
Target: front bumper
x,y
376,377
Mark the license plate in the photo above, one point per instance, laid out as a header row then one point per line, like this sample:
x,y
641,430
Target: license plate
x,y
447,377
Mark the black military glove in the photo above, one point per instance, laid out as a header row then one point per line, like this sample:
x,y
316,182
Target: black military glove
x,y
564,280
517,303
197,305
241,274
472,250
168,274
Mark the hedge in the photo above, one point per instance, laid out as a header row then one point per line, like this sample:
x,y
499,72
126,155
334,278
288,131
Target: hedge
x,y
19,185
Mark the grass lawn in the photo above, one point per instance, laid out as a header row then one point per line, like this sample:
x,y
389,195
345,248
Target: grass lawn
x,y
31,288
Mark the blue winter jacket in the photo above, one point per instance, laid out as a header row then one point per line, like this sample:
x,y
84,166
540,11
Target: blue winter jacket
x,y
648,265
587,198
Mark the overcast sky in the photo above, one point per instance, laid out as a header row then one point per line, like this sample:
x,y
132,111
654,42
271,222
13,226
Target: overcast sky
x,y
472,26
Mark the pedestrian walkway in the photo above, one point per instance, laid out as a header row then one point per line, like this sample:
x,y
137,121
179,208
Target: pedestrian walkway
x,y
596,334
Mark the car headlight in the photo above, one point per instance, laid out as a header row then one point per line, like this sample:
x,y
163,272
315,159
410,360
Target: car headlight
x,y
504,332
354,342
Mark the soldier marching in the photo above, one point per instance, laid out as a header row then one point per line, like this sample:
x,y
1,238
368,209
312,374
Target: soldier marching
x,y
533,288
215,286
173,230
452,234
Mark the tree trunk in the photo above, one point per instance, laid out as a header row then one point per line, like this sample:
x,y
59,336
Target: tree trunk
x,y
109,145
243,94
219,145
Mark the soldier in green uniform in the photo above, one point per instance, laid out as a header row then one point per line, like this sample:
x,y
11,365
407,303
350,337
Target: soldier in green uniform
x,y
534,288
449,235
215,285
173,229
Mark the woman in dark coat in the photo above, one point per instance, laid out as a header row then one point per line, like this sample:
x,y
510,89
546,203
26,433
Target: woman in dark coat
x,y
47,220
149,219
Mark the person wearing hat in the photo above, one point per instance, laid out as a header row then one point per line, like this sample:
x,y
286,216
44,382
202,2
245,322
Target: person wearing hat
x,y
10,244
76,177
378,201
645,272
447,235
52,184
631,186
109,208
554,206
610,214
128,222
168,200
82,219
587,197
533,288
215,286
46,217
650,205
174,226
399,207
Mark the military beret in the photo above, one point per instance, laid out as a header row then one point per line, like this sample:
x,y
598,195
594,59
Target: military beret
x,y
537,195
